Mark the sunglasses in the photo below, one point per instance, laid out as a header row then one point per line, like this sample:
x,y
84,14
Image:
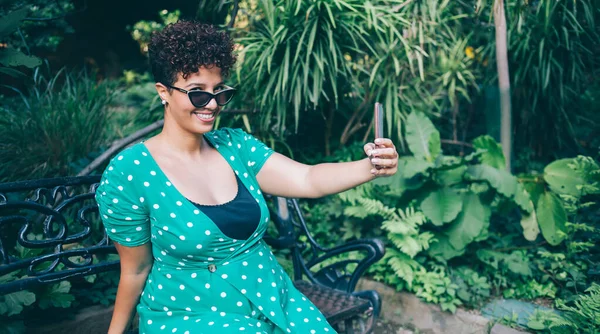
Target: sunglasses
x,y
200,98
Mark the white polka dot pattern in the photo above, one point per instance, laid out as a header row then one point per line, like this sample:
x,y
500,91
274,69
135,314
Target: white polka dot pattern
x,y
201,281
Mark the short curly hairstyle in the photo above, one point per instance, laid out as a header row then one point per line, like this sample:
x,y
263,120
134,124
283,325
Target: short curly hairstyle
x,y
185,46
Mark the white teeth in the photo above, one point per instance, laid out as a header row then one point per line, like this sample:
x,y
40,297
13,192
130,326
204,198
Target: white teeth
x,y
206,116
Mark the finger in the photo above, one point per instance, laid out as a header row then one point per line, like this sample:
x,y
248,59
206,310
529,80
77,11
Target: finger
x,y
369,147
385,152
383,171
386,142
384,162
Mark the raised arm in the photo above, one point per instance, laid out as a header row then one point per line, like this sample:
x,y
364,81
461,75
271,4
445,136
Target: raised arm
x,y
135,267
285,177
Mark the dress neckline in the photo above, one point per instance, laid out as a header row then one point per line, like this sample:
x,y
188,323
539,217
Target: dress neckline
x,y
192,207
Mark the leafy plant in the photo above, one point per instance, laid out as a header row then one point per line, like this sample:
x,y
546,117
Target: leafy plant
x,y
59,121
142,31
580,316
334,58
472,288
456,194
9,56
443,205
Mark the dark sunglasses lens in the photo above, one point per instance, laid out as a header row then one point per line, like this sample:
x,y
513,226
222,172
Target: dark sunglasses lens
x,y
224,97
199,99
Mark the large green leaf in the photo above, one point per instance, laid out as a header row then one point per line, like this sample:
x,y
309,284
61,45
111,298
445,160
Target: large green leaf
x,y
442,248
529,222
11,21
501,180
470,223
57,295
448,177
442,206
523,199
534,189
492,155
551,218
422,137
408,176
562,178
13,303
13,57
411,166
518,263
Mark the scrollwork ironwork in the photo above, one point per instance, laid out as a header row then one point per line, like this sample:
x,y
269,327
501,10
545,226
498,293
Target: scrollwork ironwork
x,y
50,230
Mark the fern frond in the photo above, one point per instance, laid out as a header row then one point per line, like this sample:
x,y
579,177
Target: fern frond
x,y
398,227
425,239
410,215
403,266
375,207
353,195
407,222
407,244
356,211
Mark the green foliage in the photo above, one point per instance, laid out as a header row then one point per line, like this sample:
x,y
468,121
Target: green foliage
x,y
436,287
21,34
102,289
515,262
142,31
56,295
552,218
10,57
529,223
492,152
580,316
473,289
60,121
552,48
444,207
13,303
330,57
422,137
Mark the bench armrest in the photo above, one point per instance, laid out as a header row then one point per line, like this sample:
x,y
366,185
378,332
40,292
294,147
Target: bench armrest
x,y
338,275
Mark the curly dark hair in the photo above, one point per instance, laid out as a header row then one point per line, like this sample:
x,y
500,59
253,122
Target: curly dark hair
x,y
185,46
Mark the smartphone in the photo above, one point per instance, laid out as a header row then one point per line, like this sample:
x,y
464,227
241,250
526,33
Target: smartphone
x,y
378,120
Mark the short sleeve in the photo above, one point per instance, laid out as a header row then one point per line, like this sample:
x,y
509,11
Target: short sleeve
x,y
256,151
122,211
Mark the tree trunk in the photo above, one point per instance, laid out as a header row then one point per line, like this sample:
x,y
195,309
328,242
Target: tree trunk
x,y
503,81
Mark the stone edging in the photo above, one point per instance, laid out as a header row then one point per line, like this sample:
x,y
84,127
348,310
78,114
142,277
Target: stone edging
x,y
406,309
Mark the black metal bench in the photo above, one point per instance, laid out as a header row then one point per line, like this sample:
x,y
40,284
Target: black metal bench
x,y
63,214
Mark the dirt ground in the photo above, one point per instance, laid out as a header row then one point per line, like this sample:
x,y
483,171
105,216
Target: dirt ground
x,y
384,327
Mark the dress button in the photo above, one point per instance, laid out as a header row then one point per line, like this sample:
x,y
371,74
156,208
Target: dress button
x,y
212,268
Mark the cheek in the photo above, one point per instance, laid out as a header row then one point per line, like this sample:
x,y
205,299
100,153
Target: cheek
x,y
183,105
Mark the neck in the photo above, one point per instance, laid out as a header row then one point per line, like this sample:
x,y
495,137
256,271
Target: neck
x,y
180,141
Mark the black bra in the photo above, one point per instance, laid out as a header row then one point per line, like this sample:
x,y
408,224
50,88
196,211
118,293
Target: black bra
x,y
238,218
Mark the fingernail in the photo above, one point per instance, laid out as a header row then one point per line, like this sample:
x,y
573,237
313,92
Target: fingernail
x,y
378,141
369,152
375,160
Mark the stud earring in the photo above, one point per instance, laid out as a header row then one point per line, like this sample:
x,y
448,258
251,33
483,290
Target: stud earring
x,y
164,102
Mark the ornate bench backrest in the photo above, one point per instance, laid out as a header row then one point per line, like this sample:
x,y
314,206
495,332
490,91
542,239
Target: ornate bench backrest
x,y
50,231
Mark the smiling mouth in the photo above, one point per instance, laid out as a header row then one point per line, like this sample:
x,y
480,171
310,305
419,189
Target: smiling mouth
x,y
205,116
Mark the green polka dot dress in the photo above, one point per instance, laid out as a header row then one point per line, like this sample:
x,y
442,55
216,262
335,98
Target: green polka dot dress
x,y
201,281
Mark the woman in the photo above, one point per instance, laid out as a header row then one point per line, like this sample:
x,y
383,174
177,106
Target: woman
x,y
185,207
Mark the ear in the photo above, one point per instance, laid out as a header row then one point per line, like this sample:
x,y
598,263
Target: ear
x,y
162,91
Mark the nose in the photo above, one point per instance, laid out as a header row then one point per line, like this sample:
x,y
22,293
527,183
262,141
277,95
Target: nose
x,y
212,104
